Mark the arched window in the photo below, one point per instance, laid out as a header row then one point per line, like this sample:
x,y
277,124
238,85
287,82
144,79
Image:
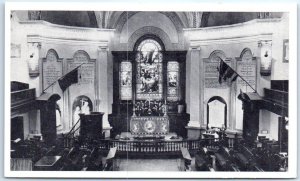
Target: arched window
x,y
149,70
149,45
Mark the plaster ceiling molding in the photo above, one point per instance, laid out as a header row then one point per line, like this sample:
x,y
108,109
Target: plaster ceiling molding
x,y
149,19
147,30
114,17
194,19
103,18
62,34
190,19
184,19
197,19
173,27
126,15
236,31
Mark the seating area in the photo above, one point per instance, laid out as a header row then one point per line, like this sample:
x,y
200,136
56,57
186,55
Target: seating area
x,y
207,154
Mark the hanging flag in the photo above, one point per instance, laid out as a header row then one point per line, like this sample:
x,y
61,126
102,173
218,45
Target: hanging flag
x,y
69,79
226,73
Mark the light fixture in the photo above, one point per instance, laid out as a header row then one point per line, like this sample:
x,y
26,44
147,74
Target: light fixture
x,y
33,59
266,58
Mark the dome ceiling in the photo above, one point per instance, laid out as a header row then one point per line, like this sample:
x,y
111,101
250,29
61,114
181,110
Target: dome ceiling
x,y
116,19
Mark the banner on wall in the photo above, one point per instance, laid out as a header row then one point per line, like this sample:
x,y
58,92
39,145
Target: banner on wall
x,y
226,73
69,79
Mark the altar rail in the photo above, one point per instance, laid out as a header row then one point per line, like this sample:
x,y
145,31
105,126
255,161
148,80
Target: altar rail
x,y
159,147
151,146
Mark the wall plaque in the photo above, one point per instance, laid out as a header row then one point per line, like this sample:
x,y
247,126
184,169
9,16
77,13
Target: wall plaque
x,y
86,76
211,74
86,70
247,70
52,68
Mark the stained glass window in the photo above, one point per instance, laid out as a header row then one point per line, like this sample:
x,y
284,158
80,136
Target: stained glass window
x,y
149,45
173,81
149,82
126,81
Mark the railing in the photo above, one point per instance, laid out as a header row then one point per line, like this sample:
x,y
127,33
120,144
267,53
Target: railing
x,y
157,146
149,146
69,137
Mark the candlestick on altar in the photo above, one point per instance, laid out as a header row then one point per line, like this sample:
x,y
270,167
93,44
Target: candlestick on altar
x,y
133,110
166,108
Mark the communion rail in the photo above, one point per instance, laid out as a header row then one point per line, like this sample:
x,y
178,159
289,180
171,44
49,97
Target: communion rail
x,y
158,147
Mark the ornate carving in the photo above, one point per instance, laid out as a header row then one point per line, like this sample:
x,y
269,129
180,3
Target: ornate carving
x,y
149,125
149,108
103,18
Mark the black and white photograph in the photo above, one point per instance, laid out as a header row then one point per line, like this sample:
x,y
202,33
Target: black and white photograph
x,y
199,91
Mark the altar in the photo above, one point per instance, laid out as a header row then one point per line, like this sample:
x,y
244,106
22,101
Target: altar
x,y
149,125
149,91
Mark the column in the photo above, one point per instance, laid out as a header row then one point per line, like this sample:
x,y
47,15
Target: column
x,y
34,61
263,81
194,78
34,65
102,94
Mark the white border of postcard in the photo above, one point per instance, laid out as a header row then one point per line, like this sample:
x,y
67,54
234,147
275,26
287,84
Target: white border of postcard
x,y
148,6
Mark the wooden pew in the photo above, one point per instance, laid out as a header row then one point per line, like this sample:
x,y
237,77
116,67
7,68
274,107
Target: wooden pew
x,y
225,160
109,161
186,159
203,161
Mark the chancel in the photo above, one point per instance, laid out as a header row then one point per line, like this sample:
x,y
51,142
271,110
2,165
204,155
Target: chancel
x,y
149,91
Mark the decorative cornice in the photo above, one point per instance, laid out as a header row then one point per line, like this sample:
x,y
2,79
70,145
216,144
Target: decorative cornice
x,y
47,31
36,44
42,22
232,40
257,27
103,48
264,43
59,40
196,47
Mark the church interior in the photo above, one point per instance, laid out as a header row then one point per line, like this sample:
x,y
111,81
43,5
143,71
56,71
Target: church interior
x,y
149,91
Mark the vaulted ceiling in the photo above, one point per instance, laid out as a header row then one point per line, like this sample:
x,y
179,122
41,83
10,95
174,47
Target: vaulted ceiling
x,y
116,19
